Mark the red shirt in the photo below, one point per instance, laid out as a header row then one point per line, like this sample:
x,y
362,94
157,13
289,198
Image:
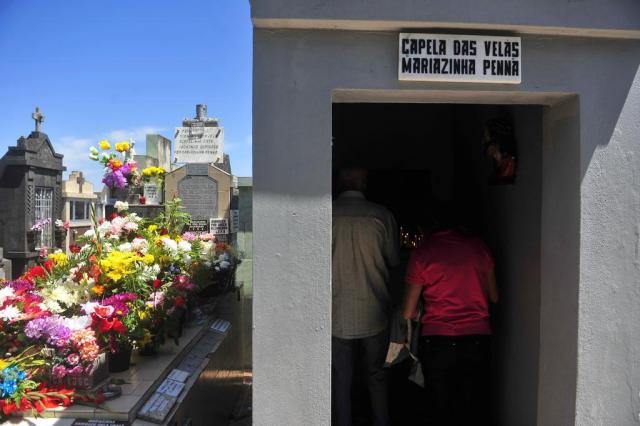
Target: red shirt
x,y
452,268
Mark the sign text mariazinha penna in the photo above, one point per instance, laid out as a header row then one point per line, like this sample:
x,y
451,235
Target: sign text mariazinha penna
x,y
462,58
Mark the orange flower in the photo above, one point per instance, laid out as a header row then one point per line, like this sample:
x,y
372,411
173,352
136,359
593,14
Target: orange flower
x,y
97,290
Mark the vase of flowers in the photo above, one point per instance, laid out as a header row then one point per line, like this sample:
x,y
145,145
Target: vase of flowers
x,y
120,169
120,360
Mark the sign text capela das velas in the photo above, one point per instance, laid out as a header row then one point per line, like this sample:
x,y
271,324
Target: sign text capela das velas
x,y
460,57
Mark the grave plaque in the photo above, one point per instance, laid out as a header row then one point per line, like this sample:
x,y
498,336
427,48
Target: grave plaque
x,y
157,407
199,195
198,226
235,221
219,227
152,193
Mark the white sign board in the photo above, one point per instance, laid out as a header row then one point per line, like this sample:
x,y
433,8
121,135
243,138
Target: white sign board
x,y
461,58
235,221
219,226
198,144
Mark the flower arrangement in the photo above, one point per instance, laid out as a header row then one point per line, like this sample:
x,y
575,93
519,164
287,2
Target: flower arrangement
x,y
120,169
126,285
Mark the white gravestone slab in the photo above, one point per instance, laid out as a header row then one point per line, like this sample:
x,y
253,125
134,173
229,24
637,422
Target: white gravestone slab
x,y
198,144
157,407
170,387
152,193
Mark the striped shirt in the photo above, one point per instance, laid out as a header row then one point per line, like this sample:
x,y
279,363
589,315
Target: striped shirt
x,y
365,246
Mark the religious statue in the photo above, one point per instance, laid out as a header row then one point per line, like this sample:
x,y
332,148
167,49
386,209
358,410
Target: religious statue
x,y
499,145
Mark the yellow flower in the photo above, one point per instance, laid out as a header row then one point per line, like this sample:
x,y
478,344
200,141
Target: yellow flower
x,y
153,171
123,146
59,258
148,259
104,145
119,264
152,228
3,364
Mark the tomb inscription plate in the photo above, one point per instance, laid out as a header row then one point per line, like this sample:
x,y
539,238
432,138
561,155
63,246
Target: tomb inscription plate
x,y
199,195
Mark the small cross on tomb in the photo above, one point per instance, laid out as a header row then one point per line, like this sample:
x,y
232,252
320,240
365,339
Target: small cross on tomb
x,y
80,180
38,118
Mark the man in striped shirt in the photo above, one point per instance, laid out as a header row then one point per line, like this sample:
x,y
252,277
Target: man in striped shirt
x,y
365,247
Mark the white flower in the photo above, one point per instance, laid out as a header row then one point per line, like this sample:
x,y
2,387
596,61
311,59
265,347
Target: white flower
x,y
104,227
186,258
77,323
59,223
125,247
62,294
184,245
224,264
53,306
121,206
140,244
89,233
9,313
5,293
170,245
131,226
89,307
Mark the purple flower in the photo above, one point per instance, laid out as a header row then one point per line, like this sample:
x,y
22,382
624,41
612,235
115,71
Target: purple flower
x,y
20,286
114,179
51,328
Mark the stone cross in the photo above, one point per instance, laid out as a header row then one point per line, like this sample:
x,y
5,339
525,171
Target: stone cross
x,y
80,180
38,117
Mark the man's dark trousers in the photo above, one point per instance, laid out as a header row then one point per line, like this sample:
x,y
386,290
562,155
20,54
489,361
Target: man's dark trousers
x,y
370,353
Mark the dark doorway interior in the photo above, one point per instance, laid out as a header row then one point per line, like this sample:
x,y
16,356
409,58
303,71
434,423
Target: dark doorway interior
x,y
420,155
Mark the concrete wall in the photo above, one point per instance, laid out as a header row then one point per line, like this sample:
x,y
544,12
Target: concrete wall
x,y
569,15
295,75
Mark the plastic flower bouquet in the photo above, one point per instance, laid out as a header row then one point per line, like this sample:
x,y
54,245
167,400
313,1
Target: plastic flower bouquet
x,y
120,170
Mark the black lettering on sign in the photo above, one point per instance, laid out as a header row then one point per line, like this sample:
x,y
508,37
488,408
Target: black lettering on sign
x,y
406,64
464,47
405,46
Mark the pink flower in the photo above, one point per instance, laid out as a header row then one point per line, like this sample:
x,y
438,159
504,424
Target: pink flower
x,y
59,371
73,359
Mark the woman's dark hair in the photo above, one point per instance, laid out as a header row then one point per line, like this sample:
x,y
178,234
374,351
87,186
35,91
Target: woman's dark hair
x,y
500,132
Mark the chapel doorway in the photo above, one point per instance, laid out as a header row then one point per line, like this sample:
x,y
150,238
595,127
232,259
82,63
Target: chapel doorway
x,y
422,155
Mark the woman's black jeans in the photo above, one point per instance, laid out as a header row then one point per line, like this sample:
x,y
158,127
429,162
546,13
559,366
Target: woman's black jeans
x,y
457,379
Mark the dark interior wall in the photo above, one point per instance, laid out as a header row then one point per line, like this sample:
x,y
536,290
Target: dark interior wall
x,y
442,144
511,227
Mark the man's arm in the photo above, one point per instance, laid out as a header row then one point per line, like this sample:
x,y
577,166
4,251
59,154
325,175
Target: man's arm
x,y
412,294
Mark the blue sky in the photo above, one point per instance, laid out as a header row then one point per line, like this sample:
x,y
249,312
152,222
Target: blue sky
x,y
118,69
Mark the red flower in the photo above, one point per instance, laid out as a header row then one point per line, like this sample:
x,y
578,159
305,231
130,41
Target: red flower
x,y
74,248
48,265
113,216
118,326
156,283
179,301
142,199
164,231
33,273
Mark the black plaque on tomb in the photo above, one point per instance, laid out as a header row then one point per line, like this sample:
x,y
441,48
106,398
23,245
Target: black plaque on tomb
x,y
199,194
198,226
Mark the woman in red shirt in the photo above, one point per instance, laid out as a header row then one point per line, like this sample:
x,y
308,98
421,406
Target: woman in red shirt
x,y
454,274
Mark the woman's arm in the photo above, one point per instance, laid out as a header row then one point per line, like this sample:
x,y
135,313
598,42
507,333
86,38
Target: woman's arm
x,y
411,297
492,287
